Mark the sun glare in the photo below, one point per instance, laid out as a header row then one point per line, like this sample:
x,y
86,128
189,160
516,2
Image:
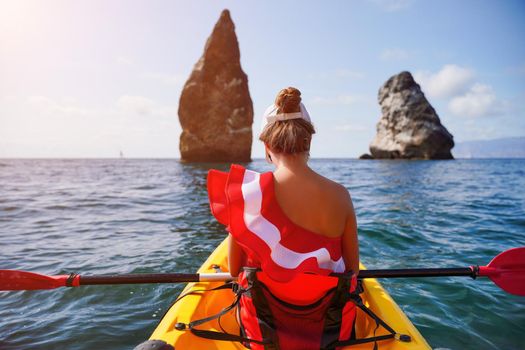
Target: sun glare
x,y
16,18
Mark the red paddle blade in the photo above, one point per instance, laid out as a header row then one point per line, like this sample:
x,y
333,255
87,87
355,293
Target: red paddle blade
x,y
507,271
23,280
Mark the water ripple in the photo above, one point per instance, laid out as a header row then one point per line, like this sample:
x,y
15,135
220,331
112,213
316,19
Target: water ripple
x,y
133,216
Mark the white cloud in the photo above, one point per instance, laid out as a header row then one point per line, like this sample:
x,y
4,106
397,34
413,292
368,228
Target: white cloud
x,y
450,81
392,5
394,54
46,105
39,126
466,97
479,101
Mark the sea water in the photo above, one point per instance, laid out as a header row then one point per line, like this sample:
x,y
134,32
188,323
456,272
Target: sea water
x,y
118,216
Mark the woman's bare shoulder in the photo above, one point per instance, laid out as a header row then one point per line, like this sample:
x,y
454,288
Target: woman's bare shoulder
x,y
337,191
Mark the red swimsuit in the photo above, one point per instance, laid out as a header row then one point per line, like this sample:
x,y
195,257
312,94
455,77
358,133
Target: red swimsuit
x,y
293,261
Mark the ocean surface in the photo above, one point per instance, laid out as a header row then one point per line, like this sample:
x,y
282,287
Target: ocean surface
x,y
132,216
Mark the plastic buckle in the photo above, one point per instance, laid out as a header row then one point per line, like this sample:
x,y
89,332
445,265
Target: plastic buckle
x,y
180,326
403,337
236,288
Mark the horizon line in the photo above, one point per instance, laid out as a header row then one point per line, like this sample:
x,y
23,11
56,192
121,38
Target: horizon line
x,y
253,159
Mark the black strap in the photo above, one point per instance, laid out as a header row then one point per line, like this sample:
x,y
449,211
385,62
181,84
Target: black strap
x,y
262,308
297,307
217,315
70,279
225,336
269,340
365,340
334,314
359,303
227,285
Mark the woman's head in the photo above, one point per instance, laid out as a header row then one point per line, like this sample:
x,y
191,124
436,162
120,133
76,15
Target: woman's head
x,y
292,136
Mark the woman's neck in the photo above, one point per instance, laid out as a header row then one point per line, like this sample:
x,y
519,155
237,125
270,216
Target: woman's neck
x,y
296,163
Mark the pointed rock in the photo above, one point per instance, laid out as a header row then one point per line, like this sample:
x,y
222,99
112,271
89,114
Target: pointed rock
x,y
409,127
215,107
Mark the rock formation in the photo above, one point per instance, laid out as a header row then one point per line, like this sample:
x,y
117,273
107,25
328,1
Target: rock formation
x,y
215,108
409,127
365,156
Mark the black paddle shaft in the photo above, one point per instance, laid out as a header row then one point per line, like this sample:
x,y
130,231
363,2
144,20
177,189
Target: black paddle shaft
x,y
393,273
187,277
139,278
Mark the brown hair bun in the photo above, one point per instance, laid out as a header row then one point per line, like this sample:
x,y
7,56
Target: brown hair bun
x,y
288,136
288,100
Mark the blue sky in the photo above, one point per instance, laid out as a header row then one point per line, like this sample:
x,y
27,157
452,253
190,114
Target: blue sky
x,y
88,79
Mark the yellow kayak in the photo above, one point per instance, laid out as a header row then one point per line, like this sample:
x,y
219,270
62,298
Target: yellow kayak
x,y
203,304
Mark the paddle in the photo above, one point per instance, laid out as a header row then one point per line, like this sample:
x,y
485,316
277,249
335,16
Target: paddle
x,y
507,270
23,280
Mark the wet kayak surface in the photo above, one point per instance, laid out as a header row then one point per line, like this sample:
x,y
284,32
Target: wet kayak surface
x,y
131,216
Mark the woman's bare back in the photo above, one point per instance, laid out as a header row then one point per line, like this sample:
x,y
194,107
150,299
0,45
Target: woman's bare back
x,y
313,202
319,205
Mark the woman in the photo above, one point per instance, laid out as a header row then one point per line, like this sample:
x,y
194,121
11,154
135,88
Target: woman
x,y
310,200
288,230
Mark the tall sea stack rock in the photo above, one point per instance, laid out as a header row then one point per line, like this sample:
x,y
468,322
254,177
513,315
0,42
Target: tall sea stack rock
x,y
215,108
409,127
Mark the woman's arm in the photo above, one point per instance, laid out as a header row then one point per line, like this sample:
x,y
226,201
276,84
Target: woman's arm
x,y
235,256
350,241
